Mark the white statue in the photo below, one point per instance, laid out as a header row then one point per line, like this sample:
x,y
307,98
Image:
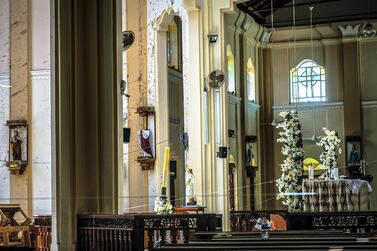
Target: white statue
x,y
190,197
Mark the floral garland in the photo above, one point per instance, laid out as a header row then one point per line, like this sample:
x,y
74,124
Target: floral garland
x,y
330,144
289,182
162,206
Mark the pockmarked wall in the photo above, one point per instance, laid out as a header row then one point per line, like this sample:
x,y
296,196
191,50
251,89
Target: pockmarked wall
x,y
155,11
40,103
4,100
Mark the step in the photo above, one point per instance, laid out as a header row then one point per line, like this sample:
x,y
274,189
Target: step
x,y
271,248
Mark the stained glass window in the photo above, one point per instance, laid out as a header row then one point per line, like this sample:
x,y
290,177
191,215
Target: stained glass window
x,y
308,82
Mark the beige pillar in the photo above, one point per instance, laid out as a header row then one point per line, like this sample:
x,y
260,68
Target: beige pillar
x,y
351,81
217,61
86,125
137,180
267,132
4,100
351,88
195,96
19,101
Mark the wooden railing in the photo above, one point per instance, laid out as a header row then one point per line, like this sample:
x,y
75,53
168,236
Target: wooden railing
x,y
139,231
367,220
244,221
42,233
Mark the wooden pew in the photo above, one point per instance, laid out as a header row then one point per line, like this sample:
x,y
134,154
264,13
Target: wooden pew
x,y
295,240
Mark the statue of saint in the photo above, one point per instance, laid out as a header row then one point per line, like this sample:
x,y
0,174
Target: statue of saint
x,y
16,146
250,161
190,197
144,141
354,158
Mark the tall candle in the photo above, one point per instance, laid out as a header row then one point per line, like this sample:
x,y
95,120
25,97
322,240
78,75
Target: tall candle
x,y
166,164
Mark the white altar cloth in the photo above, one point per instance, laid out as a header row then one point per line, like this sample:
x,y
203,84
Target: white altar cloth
x,y
336,195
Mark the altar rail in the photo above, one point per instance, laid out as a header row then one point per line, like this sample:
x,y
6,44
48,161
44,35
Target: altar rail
x,y
139,231
366,220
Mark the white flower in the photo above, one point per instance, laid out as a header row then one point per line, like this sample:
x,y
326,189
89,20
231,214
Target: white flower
x,y
162,206
289,181
331,146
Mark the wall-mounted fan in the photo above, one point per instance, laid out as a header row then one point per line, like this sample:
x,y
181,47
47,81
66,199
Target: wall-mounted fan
x,y
128,39
216,79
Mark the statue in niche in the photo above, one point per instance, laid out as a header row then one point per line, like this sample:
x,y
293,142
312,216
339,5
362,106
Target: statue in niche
x,y
354,157
250,160
16,146
144,141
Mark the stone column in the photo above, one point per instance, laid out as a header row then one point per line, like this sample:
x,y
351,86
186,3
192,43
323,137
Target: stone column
x,y
218,62
137,180
19,92
4,100
267,132
194,95
40,107
86,104
351,82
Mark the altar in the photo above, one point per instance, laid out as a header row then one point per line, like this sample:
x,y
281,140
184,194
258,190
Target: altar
x,y
336,195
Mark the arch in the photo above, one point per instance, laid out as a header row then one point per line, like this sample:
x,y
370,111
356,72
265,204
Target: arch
x,y
231,70
308,82
163,21
250,81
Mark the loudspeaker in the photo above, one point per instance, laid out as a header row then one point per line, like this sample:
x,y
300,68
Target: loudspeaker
x,y
126,135
223,152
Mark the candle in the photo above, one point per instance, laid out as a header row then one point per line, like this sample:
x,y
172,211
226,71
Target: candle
x,y
166,164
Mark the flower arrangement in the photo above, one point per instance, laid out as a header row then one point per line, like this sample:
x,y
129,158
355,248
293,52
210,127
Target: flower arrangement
x,y
162,205
289,183
262,223
330,144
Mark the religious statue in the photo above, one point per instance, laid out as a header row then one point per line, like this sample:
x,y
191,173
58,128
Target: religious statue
x,y
190,197
16,146
144,141
250,161
354,158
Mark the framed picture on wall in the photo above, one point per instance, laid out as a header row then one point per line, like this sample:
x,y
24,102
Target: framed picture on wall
x,y
353,150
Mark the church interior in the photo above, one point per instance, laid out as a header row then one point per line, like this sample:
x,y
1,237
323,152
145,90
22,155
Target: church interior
x,y
188,125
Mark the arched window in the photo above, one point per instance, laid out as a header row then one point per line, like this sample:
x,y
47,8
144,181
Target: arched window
x,y
231,75
250,81
308,82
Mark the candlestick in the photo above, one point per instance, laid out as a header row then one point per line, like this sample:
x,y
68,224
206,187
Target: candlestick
x,y
166,164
